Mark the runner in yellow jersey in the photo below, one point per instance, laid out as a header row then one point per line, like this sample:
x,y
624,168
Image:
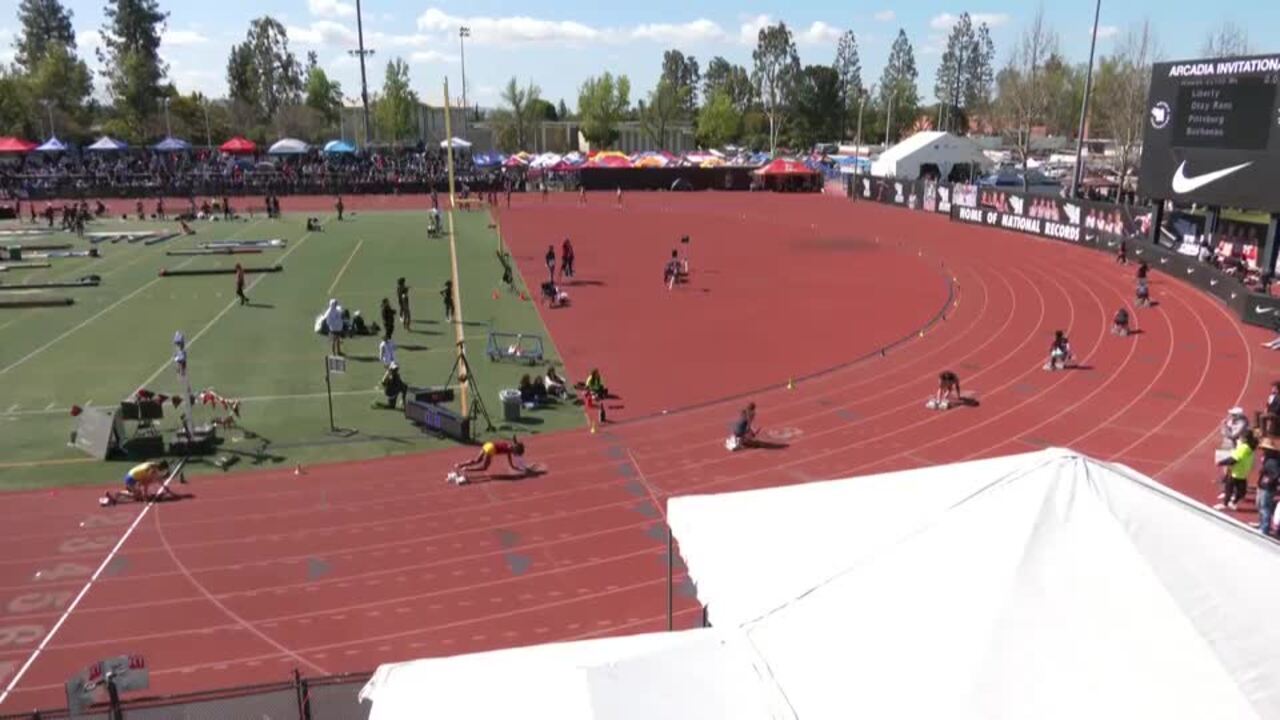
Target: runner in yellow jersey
x,y
139,483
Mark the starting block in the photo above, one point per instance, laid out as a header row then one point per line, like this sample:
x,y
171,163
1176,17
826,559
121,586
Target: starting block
x,y
933,404
515,346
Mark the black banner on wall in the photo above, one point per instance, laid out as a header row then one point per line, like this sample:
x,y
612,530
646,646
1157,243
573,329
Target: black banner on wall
x,y
927,195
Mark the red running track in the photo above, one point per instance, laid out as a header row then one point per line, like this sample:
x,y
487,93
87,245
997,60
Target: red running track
x,y
352,565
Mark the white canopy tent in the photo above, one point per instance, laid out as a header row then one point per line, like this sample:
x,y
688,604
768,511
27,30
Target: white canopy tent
x,y
945,151
640,677
1045,585
289,146
456,143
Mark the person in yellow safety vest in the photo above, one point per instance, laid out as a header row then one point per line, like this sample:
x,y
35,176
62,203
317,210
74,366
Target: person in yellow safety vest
x,y
1236,469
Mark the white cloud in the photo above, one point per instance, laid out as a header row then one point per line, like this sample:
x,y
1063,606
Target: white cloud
x,y
819,33
88,39
323,32
885,16
946,20
701,30
181,38
432,56
749,32
416,40
1106,31
512,30
331,8
6,45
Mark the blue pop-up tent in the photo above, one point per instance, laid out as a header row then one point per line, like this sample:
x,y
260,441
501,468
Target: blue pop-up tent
x,y
339,147
52,145
172,144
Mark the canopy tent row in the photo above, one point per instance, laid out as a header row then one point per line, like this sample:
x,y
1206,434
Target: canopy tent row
x,y
1042,585
455,142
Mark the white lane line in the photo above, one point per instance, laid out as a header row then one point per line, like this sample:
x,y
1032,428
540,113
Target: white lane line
x,y
192,340
89,321
337,278
22,671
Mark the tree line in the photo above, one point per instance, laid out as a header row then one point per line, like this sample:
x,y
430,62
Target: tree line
x,y
774,101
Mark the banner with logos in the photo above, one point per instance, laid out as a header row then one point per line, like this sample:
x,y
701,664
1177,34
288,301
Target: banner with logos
x,y
927,195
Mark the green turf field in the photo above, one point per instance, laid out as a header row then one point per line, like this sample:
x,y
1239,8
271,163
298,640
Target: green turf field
x,y
118,336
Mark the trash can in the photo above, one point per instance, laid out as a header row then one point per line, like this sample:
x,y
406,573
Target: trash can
x,y
510,400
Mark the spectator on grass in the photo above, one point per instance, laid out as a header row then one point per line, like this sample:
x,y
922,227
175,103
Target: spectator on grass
x,y
387,352
554,384
402,299
532,393
335,325
388,319
393,386
446,294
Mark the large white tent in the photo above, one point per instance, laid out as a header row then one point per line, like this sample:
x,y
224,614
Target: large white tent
x,y
944,151
1045,585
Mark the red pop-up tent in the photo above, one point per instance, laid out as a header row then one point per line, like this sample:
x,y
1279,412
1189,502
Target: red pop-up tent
x,y
789,175
15,145
786,167
239,146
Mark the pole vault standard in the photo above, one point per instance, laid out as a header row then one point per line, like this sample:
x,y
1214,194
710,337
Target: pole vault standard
x,y
184,377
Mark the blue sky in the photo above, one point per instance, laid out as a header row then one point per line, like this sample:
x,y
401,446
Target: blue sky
x,y
558,44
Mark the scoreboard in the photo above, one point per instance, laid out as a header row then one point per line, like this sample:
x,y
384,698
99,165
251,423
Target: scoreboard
x,y
1212,133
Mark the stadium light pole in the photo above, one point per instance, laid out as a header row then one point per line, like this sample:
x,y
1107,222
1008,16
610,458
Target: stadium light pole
x,y
208,136
48,106
464,32
168,128
1078,176
364,79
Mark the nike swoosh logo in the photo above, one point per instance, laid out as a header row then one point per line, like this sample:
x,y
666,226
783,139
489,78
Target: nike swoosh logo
x,y
1183,184
1263,310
